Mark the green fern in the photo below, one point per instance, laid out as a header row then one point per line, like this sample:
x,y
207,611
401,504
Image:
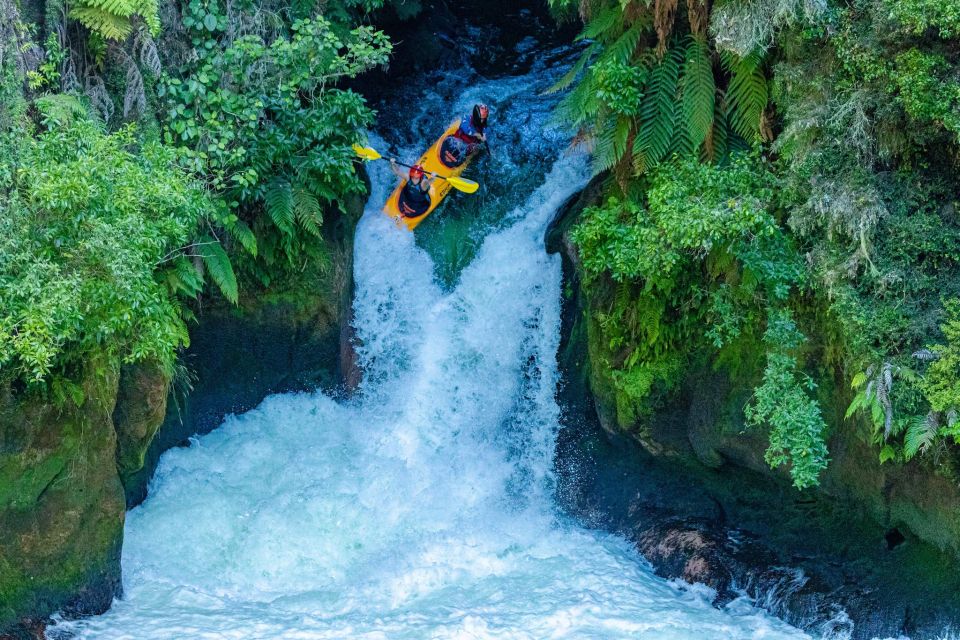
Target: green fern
x,y
307,209
183,278
611,143
112,19
920,436
570,76
218,265
623,48
606,20
279,203
698,93
658,113
747,93
242,233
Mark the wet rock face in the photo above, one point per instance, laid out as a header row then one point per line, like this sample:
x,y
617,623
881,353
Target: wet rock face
x,y
687,550
61,503
291,336
68,470
700,504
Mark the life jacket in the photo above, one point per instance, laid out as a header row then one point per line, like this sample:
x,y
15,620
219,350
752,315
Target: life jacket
x,y
413,200
467,132
454,151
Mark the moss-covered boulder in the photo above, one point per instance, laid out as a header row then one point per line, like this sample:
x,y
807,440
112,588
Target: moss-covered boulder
x,y
140,410
61,501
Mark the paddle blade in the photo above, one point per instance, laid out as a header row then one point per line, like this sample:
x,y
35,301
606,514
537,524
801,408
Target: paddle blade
x,y
366,152
460,184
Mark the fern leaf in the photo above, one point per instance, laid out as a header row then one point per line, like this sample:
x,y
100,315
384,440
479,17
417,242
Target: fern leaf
x,y
580,105
111,26
568,78
699,92
920,435
279,201
183,278
242,233
658,113
307,209
218,265
623,48
604,22
747,93
611,143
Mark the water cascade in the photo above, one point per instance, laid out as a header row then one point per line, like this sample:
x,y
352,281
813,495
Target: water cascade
x,y
423,507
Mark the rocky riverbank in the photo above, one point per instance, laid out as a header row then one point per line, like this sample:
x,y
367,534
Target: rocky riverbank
x,y
851,558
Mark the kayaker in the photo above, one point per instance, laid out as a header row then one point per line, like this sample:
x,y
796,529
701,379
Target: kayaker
x,y
414,200
468,137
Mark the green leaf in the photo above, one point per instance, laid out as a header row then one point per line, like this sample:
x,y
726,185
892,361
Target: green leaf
x,y
218,265
279,202
307,209
244,235
658,113
699,93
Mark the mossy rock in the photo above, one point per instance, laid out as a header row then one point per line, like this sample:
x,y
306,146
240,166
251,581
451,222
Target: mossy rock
x,y
61,502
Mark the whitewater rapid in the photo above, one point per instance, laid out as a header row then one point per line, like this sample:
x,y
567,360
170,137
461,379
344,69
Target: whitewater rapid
x,y
423,507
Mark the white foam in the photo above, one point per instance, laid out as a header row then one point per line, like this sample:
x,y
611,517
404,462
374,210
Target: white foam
x,y
423,508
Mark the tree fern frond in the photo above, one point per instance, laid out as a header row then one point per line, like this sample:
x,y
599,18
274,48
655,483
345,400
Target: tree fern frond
x,y
698,92
611,143
600,26
658,112
279,202
183,278
111,26
242,233
218,265
570,76
580,105
747,93
307,209
719,134
623,48
920,435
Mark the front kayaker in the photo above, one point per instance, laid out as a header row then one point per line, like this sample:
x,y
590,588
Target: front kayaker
x,y
467,138
414,199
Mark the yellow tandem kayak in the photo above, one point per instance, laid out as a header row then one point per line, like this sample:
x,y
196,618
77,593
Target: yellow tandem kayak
x,y
438,190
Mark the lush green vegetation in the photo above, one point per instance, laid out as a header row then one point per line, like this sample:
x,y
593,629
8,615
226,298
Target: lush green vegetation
x,y
204,146
783,175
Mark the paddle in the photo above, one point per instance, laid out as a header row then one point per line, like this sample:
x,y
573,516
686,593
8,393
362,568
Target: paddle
x,y
460,184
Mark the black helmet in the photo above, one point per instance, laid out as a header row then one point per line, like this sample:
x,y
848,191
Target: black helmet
x,y
479,116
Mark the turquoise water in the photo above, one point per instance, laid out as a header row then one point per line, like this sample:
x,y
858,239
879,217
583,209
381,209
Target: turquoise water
x,y
423,507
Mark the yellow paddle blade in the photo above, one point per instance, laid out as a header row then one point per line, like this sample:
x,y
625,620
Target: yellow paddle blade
x,y
366,152
460,184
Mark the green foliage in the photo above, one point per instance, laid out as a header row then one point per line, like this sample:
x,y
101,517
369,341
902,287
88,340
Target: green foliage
x,y
783,402
646,98
919,16
701,265
85,230
941,385
698,93
747,93
47,74
113,19
265,125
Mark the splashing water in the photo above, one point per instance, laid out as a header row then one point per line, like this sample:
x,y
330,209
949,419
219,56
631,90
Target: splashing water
x,y
424,507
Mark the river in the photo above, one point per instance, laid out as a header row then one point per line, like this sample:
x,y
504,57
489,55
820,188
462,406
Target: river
x,y
424,505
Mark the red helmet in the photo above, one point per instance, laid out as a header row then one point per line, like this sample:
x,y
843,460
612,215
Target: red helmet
x,y
479,116
416,171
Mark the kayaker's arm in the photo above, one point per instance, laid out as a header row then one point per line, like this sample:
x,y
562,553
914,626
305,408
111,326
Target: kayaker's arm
x,y
397,170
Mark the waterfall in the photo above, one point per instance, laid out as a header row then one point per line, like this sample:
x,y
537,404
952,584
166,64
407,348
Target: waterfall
x,y
423,507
